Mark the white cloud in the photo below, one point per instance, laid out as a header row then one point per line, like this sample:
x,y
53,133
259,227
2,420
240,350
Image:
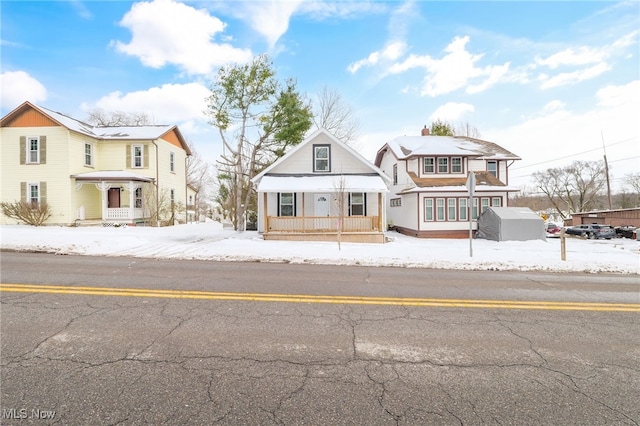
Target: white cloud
x,y
580,56
574,77
270,18
168,104
164,31
391,52
557,136
451,112
613,96
17,87
554,106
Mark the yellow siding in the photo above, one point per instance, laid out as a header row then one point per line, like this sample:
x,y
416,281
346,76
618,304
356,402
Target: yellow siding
x,y
55,172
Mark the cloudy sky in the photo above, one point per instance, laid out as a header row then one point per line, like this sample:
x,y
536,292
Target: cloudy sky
x,y
551,81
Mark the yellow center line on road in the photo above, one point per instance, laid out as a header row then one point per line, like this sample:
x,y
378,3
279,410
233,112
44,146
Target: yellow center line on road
x,y
306,298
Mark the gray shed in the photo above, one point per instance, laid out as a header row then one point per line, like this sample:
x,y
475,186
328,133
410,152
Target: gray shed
x,y
510,224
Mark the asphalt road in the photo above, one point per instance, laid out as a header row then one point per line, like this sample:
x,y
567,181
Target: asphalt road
x,y
93,341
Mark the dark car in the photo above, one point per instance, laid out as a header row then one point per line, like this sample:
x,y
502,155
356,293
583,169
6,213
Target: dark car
x,y
592,231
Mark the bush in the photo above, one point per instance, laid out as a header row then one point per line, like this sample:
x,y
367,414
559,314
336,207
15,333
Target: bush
x,y
31,214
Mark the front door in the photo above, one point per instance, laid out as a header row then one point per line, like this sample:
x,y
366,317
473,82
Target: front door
x,y
321,208
321,205
113,199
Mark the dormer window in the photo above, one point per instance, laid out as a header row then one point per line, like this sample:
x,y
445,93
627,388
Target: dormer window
x,y
443,165
492,167
429,165
321,158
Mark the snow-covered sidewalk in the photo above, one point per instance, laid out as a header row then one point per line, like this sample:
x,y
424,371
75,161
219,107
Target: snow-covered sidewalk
x,y
209,241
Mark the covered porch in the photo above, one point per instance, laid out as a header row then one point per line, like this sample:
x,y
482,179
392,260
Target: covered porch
x,y
321,208
111,197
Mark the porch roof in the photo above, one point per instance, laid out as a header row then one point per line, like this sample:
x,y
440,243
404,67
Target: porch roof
x,y
111,175
323,183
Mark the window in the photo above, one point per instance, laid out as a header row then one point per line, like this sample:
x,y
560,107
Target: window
x,y
396,202
88,154
429,165
395,174
286,204
428,209
474,209
485,204
172,196
451,209
172,162
456,165
443,165
33,195
321,158
356,204
496,202
33,150
492,167
137,156
138,198
462,209
440,209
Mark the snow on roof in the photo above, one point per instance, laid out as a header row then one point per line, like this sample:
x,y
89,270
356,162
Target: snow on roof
x,y
115,133
324,183
111,175
408,146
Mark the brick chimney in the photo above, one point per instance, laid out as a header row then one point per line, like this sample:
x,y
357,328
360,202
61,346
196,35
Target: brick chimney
x,y
425,131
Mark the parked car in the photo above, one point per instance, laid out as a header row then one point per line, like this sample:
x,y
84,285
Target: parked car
x,y
592,231
553,230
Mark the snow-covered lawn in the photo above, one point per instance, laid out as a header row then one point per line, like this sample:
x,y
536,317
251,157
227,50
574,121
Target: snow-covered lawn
x,y
209,241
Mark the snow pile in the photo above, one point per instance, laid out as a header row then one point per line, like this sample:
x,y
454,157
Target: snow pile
x,y
209,241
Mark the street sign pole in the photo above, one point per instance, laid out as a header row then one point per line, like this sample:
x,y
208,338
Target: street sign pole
x,y
471,187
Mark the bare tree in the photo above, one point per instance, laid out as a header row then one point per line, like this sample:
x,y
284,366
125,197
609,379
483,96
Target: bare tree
x,y
632,180
200,178
574,188
466,129
102,118
340,191
333,113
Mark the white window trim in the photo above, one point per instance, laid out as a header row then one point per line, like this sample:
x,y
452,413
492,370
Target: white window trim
x,y
463,207
461,165
444,210
433,165
29,151
292,204
429,208
133,156
497,167
91,154
363,203
30,187
447,164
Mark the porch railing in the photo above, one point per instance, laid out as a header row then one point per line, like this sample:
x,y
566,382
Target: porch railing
x,y
123,213
322,224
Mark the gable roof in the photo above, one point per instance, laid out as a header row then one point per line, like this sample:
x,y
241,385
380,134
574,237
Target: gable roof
x,y
309,139
405,147
99,132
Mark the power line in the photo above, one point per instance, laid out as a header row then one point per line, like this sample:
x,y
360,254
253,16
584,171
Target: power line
x,y
573,155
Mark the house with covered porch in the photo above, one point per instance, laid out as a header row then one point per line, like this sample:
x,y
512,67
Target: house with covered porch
x,y
320,190
92,174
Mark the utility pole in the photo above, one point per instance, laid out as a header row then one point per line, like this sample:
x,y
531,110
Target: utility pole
x,y
606,169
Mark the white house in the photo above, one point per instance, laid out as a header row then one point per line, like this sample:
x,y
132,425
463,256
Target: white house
x,y
320,188
91,174
428,196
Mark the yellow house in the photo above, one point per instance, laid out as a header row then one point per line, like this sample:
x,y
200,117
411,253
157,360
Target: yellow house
x,y
89,174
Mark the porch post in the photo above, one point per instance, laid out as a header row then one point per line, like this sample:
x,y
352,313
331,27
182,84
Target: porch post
x,y
380,212
132,190
303,217
266,214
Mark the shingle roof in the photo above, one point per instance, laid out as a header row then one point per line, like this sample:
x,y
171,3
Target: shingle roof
x,y
408,146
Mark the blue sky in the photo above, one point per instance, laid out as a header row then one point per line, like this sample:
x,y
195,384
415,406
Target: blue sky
x,y
547,80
